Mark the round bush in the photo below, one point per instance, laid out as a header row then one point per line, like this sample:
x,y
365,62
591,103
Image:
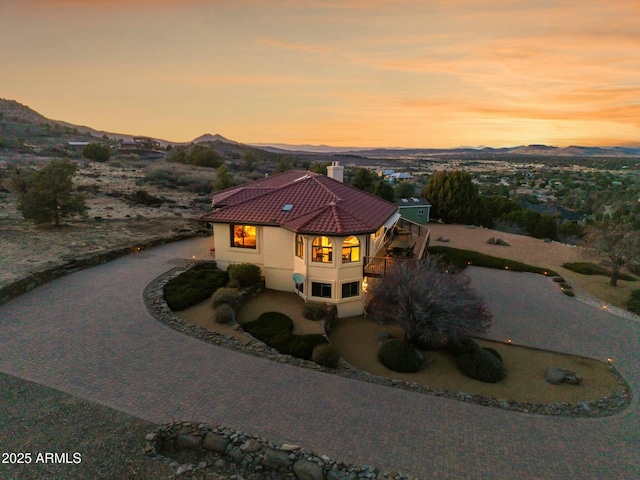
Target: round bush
x,y
565,285
224,314
558,279
234,283
483,366
326,355
568,293
314,311
399,356
229,296
463,345
494,352
247,274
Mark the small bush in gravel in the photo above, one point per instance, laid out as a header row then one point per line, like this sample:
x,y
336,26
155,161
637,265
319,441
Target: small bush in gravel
x,y
565,285
558,279
224,314
483,366
494,352
247,274
229,296
326,355
314,311
568,293
399,356
462,346
634,302
194,286
274,329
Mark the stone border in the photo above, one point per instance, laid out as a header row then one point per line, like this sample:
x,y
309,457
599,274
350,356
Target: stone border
x,y
252,453
25,284
607,406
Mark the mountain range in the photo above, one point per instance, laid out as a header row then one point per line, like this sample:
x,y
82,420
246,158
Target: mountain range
x,y
13,113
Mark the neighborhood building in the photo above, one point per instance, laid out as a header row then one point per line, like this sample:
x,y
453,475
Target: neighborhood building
x,y
415,209
309,233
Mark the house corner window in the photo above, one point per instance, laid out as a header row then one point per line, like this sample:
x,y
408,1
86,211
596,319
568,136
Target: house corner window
x,y
243,236
351,289
351,250
299,246
322,250
322,290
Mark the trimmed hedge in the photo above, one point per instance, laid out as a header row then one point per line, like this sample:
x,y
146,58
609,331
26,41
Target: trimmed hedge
x,y
462,258
194,286
634,302
462,346
589,268
247,274
399,356
494,352
483,366
274,329
314,311
326,355
228,296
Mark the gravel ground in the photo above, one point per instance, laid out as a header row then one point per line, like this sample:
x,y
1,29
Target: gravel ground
x,y
38,420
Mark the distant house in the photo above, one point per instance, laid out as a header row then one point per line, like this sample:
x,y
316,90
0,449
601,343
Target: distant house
x,y
77,144
307,225
400,177
415,209
551,210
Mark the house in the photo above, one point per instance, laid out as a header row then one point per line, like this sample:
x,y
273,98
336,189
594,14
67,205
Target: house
x,y
400,177
304,224
415,209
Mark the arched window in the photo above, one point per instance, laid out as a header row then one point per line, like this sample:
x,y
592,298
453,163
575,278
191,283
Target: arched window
x,y
351,250
322,250
299,246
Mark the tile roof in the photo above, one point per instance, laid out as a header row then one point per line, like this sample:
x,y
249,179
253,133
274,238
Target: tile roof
x,y
319,205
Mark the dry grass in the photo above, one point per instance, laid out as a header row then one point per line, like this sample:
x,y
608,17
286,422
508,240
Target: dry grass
x,y
356,340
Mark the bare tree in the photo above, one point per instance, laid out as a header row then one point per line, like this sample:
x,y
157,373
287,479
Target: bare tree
x,y
619,245
431,305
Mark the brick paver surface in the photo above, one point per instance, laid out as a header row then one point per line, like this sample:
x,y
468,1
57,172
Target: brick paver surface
x,y
89,334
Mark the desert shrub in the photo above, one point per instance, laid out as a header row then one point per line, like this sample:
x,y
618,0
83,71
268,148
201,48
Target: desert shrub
x,y
482,365
568,293
194,286
194,179
558,279
564,285
228,296
326,355
588,268
494,352
461,258
462,346
224,313
233,283
634,302
97,152
314,311
399,356
247,274
274,329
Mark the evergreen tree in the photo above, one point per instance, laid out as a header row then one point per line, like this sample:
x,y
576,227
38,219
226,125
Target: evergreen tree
x,y
97,152
453,196
384,191
403,190
364,180
47,196
224,179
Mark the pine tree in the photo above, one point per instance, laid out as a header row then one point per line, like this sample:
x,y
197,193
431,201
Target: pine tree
x,y
453,196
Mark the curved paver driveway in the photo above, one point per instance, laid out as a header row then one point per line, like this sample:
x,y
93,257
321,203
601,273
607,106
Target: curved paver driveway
x,y
89,334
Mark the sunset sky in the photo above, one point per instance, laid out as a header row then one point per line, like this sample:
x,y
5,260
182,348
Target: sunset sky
x,y
428,73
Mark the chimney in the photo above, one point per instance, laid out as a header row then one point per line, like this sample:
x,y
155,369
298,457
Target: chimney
x,y
336,171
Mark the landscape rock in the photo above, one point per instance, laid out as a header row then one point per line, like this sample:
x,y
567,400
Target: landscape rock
x,y
502,243
572,378
215,443
276,459
306,470
251,445
188,442
554,376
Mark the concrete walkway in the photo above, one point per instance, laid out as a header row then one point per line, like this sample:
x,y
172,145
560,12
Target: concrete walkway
x,y
90,335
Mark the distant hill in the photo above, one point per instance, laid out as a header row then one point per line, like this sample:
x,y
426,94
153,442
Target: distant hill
x,y
207,137
14,111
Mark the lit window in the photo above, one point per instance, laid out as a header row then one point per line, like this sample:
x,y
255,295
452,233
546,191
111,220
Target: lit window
x,y
351,250
351,289
243,236
299,246
322,250
322,290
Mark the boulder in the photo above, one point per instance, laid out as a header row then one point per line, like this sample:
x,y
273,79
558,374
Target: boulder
x,y
188,442
306,470
251,445
491,241
276,459
572,378
215,443
501,242
554,376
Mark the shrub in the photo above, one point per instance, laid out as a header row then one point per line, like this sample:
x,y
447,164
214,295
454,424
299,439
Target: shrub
x,y
274,329
314,311
482,365
194,286
494,352
461,258
233,284
588,268
399,356
568,293
565,285
225,314
558,279
326,355
228,296
463,345
247,274
634,302
97,152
